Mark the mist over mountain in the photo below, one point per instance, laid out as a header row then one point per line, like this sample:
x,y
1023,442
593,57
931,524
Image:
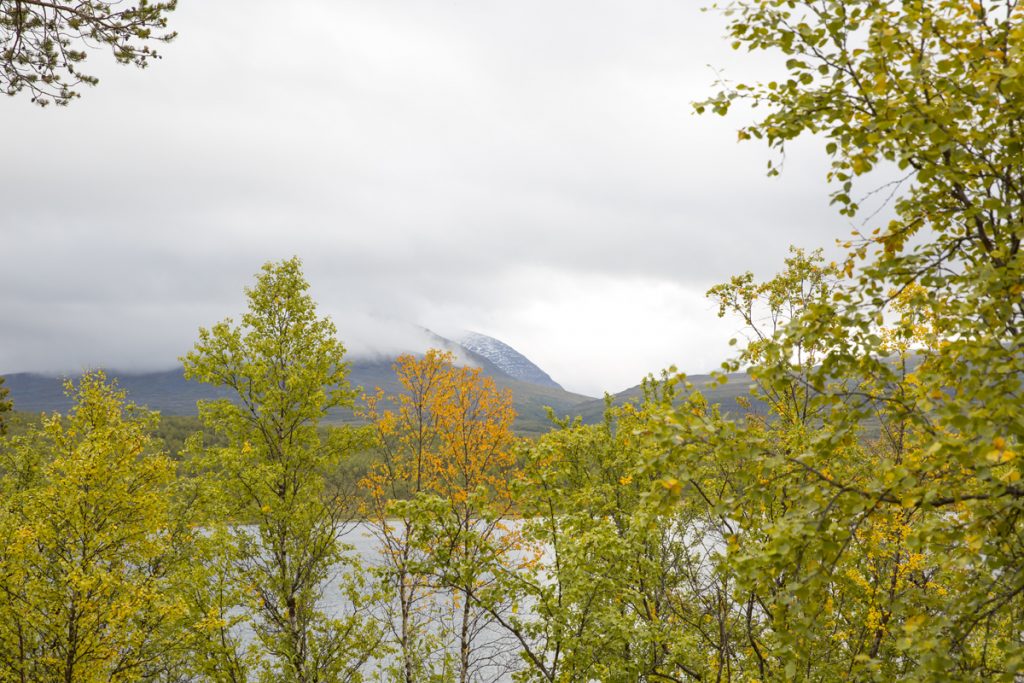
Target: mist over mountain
x,y
169,392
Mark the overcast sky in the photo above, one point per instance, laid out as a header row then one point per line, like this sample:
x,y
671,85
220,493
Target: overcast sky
x,y
531,170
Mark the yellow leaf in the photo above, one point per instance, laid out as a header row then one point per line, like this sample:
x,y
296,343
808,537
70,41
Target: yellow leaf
x,y
672,485
913,623
1010,476
999,457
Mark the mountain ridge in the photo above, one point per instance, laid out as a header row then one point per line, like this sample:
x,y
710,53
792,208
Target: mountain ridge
x,y
168,391
506,358
533,390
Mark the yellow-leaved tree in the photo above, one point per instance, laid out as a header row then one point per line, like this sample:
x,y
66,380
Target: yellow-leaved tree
x,y
90,576
439,501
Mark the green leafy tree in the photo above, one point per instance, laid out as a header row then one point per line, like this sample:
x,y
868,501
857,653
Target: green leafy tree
x,y
909,455
276,483
217,599
91,573
43,44
608,586
829,581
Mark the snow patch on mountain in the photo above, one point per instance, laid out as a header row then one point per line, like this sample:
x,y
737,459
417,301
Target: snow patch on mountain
x,y
507,359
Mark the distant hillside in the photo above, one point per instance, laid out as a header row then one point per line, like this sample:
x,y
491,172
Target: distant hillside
x,y
169,392
533,390
724,395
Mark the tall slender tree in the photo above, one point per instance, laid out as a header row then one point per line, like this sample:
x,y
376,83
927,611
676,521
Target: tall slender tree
x,y
406,439
285,369
439,500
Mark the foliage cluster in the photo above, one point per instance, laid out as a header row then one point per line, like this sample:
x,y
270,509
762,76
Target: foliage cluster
x,y
43,43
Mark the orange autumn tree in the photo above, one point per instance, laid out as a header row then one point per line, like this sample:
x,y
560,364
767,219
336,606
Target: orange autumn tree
x,y
403,434
438,501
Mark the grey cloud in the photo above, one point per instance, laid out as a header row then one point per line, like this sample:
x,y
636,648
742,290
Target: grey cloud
x,y
428,160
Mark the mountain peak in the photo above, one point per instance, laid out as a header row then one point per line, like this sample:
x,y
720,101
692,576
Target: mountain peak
x,y
507,359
